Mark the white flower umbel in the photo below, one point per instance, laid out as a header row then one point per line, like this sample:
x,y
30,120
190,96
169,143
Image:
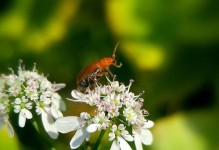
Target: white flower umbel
x,y
21,106
116,108
101,121
29,93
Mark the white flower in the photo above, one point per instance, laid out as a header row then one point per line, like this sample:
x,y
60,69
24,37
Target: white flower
x,y
14,90
14,84
42,104
115,100
101,121
93,97
45,84
11,79
56,105
104,90
119,135
48,123
31,75
49,107
130,115
44,109
72,123
143,135
31,89
21,106
118,88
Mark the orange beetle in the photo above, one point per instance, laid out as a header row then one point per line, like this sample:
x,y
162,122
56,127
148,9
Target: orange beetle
x,y
88,75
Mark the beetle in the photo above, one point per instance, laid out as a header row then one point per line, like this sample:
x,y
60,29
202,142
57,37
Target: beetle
x,y
89,75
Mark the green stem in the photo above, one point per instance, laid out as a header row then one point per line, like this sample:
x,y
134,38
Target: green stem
x,y
99,139
122,119
36,126
40,130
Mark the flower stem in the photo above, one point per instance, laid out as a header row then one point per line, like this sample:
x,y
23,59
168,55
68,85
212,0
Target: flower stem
x,y
41,133
122,119
36,126
99,139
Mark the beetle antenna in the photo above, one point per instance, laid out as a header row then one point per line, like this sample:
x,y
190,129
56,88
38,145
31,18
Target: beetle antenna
x,y
115,50
118,66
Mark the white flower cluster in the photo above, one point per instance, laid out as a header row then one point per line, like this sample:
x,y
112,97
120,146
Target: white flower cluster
x,y
27,93
117,108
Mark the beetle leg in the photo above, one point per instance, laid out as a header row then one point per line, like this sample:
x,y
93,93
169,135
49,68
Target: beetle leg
x,y
93,75
96,75
89,81
112,75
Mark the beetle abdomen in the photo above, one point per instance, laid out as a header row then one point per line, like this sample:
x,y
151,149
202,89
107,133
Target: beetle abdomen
x,y
89,80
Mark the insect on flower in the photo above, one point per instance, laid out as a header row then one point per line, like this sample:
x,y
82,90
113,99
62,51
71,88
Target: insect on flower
x,y
89,75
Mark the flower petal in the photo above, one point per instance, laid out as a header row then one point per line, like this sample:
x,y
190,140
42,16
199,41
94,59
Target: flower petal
x,y
17,101
128,137
17,108
112,136
121,127
92,128
138,144
68,124
29,105
56,100
62,105
24,100
124,145
27,113
55,112
76,94
21,119
114,128
48,124
148,124
146,137
57,87
115,145
78,138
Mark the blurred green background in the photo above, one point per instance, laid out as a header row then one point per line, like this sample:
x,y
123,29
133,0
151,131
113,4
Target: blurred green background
x,y
170,49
